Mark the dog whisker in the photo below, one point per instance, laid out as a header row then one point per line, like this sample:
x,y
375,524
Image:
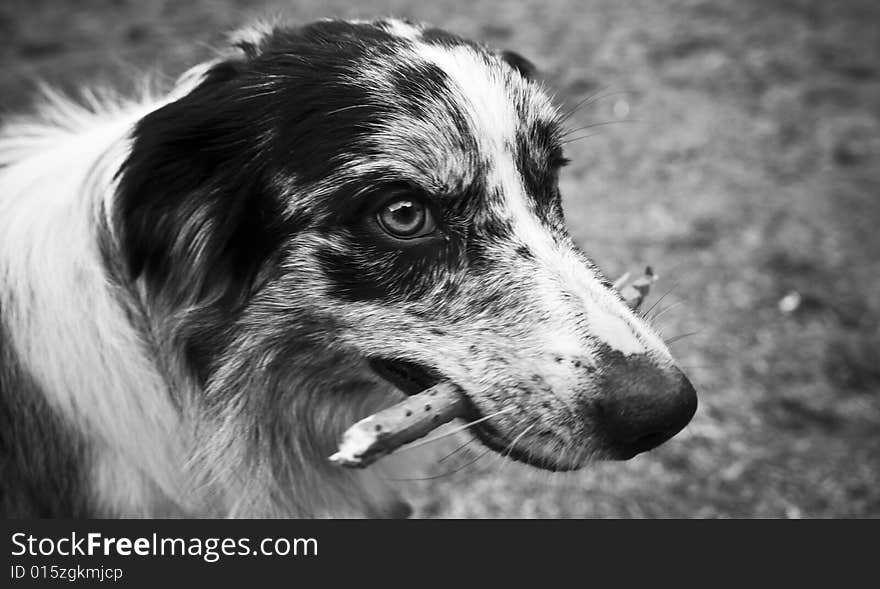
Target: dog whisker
x,y
594,125
457,450
663,296
517,439
445,474
590,99
510,447
580,138
663,311
681,336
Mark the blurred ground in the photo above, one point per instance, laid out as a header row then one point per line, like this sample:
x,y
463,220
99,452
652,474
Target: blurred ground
x,y
749,173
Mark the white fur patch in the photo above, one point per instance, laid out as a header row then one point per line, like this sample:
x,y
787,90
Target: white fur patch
x,y
65,323
484,95
401,29
253,34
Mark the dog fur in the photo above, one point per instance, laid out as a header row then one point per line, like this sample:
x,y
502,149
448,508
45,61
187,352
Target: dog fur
x,y
194,289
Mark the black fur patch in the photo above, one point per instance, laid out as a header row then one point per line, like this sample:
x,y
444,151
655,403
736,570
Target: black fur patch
x,y
42,460
538,159
524,252
363,270
415,83
522,65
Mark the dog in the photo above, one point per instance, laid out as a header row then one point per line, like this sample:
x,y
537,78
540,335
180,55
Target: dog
x,y
200,290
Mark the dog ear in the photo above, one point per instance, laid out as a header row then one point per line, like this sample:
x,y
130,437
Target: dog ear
x,y
197,212
525,67
195,209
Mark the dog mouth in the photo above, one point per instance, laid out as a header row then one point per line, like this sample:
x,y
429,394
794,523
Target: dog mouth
x,y
413,378
409,377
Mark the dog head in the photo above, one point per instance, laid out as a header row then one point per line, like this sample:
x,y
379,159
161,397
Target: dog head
x,y
344,199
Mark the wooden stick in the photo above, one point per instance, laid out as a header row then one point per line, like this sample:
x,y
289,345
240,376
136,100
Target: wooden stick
x,y
635,293
384,432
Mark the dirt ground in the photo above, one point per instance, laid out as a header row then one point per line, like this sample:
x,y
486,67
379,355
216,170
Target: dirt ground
x,y
745,167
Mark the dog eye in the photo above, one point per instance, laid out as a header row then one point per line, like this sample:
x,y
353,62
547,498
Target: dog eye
x,y
405,219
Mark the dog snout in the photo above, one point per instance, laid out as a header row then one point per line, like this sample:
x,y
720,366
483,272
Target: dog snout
x,y
642,405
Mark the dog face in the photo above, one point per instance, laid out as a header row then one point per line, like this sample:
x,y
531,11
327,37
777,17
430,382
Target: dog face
x,y
344,200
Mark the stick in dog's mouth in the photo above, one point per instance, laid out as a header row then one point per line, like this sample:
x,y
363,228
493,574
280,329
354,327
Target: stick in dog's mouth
x,y
382,433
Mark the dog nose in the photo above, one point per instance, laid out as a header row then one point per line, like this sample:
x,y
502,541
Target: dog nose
x,y
643,405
